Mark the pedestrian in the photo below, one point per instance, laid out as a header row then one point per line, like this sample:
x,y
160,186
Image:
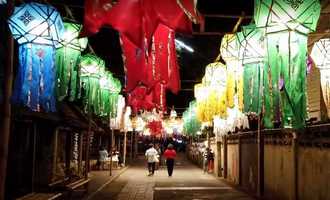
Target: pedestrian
x,y
205,159
170,155
151,155
103,157
158,156
210,160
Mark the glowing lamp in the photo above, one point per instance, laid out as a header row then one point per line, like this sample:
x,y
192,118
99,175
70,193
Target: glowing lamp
x,y
36,23
321,57
38,29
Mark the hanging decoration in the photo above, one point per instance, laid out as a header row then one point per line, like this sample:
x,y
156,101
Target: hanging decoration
x,y
321,57
211,94
229,51
157,70
143,18
38,29
287,24
191,124
109,89
127,122
67,58
90,75
253,57
116,121
155,127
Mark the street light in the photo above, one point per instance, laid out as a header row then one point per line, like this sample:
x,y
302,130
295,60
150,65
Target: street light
x,y
182,45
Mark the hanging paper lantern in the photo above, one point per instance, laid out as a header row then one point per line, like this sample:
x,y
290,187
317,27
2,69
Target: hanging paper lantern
x,y
38,29
287,24
90,75
127,120
67,58
252,57
191,124
229,51
105,101
321,57
116,121
216,80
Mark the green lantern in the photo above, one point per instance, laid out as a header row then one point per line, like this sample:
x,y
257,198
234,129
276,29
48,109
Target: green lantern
x,y
67,58
191,124
105,85
253,56
287,24
114,96
91,68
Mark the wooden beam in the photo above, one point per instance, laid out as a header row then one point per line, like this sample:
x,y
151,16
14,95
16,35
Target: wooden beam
x,y
6,107
226,16
209,33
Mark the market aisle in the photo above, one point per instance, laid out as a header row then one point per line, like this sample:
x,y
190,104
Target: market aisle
x,y
188,182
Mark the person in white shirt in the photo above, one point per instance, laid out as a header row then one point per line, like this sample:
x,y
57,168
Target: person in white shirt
x,y
103,156
151,155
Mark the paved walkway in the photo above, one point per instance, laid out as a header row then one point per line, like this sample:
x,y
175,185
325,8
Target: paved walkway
x,y
187,182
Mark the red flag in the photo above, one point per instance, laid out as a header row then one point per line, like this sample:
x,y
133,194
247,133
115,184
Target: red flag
x,y
94,17
162,60
126,17
134,63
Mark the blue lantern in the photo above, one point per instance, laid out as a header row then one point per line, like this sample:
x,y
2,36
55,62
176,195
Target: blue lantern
x,y
38,29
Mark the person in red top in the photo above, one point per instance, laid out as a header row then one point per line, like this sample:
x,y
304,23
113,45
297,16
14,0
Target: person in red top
x,y
170,155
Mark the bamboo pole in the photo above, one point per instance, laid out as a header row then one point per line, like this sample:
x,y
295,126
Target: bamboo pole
x,y
6,107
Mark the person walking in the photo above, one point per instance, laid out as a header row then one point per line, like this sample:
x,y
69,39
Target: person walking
x,y
210,161
103,157
205,159
151,155
170,155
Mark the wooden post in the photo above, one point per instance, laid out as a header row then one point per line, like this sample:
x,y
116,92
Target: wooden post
x,y
112,145
55,140
68,150
87,146
34,150
295,165
208,138
260,138
136,144
131,150
80,154
240,161
6,107
225,157
125,148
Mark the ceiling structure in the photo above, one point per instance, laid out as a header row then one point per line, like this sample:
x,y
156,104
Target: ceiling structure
x,y
221,16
